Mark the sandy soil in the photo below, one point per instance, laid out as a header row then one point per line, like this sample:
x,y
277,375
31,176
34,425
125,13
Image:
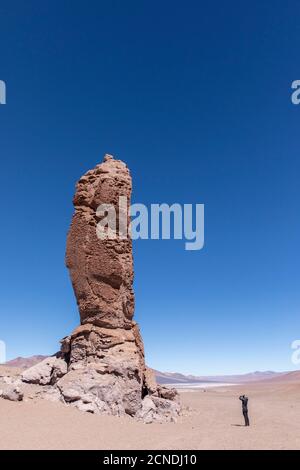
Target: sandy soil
x,y
211,420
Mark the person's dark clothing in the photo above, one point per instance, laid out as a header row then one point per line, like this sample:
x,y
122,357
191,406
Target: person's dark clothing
x,y
244,401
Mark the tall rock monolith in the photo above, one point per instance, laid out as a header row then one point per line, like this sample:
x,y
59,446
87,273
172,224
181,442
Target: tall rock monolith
x,y
105,368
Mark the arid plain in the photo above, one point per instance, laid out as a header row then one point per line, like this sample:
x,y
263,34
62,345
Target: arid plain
x,y
211,419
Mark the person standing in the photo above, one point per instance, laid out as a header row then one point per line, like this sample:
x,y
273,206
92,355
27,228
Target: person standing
x,y
244,401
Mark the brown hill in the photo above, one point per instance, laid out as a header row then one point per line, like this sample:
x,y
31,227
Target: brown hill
x,y
25,362
287,377
176,378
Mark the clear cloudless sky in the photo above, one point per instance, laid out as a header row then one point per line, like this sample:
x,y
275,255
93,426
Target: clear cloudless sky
x,y
195,97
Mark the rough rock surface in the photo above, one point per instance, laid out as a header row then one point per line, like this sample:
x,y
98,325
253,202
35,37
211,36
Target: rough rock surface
x,y
46,372
101,367
12,393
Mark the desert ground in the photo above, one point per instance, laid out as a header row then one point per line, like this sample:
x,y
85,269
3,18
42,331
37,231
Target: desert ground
x,y
211,419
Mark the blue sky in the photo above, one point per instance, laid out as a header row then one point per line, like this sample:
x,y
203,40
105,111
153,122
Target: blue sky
x,y
195,98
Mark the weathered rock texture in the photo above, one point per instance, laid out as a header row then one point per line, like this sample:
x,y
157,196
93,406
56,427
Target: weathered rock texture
x,y
12,393
101,367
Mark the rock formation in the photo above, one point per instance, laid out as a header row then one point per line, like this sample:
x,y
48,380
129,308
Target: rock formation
x,y
12,393
101,367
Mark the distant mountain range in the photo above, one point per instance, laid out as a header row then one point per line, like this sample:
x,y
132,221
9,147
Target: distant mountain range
x,y
25,362
177,378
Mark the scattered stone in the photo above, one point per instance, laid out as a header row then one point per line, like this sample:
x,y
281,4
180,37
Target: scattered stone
x,y
46,372
12,393
41,373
